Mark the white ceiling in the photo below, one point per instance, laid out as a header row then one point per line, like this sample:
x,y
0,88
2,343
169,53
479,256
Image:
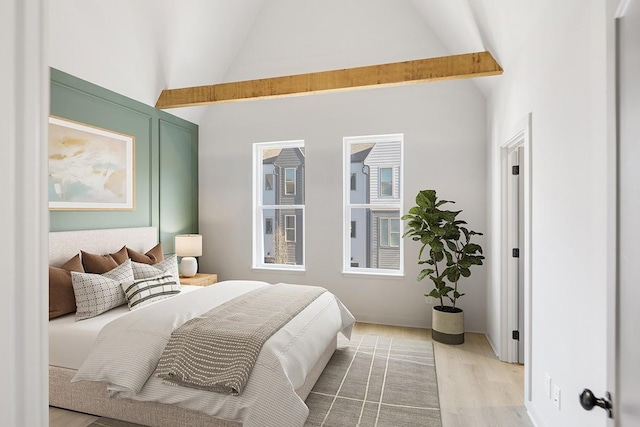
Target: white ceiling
x,y
137,48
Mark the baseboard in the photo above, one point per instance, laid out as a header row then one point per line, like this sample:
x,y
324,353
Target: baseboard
x,y
493,347
534,416
399,321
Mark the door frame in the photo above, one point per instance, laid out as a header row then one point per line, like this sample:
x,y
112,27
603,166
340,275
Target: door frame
x,y
616,9
521,137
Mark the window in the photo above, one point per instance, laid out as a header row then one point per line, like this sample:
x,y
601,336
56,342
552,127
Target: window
x,y
389,232
386,182
279,205
289,228
268,181
375,205
290,181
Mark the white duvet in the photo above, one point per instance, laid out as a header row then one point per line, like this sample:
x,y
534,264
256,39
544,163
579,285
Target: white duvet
x,y
127,350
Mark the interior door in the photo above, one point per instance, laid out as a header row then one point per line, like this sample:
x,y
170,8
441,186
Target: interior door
x,y
521,337
627,396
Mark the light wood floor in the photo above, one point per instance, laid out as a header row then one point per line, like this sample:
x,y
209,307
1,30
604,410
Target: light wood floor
x,y
475,388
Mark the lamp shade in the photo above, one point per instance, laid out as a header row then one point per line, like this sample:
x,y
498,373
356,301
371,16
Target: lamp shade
x,y
189,245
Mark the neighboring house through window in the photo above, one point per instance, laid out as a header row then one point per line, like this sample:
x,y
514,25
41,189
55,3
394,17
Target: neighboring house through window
x,y
290,181
386,182
268,181
373,201
279,205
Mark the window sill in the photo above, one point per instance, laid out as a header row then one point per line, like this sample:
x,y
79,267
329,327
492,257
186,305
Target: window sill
x,y
280,269
378,275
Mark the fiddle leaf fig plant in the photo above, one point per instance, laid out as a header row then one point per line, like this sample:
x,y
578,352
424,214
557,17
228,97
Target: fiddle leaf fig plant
x,y
447,249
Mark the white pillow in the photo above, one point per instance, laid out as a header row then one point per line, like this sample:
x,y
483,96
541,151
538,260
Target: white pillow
x,y
145,291
97,293
147,271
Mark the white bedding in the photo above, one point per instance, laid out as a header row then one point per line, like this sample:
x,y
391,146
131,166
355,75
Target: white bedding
x,y
71,341
127,349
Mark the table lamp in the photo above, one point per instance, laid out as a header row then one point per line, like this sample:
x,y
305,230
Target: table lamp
x,y
188,246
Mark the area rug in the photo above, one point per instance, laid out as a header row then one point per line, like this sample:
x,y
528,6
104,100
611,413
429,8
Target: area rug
x,y
370,381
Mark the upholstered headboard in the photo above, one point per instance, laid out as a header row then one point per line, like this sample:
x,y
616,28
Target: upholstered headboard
x,y
65,244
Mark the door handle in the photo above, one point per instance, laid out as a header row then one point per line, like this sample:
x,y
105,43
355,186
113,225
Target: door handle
x,y
588,401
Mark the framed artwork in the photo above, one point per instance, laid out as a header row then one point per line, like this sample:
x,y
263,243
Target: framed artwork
x,y
89,168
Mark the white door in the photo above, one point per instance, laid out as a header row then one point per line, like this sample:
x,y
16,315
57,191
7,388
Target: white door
x,y
516,247
521,250
627,395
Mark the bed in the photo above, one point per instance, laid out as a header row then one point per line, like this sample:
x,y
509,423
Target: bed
x,y
288,365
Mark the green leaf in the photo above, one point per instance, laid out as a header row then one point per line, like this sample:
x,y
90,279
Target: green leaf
x,y
465,272
445,290
451,245
449,258
424,273
471,248
434,293
450,216
453,276
457,295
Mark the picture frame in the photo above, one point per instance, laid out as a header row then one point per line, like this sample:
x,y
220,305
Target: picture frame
x,y
90,168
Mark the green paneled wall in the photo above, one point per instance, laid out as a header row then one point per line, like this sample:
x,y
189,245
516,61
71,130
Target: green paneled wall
x,y
166,160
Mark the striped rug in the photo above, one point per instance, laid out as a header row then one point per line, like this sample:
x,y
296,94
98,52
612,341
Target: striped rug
x,y
370,381
377,381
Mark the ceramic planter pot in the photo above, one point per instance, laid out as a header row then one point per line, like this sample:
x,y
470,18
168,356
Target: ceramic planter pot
x,y
447,327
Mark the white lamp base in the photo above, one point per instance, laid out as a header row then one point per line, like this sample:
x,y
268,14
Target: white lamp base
x,y
188,266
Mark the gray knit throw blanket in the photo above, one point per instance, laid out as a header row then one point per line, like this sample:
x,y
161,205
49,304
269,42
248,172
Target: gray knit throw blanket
x,y
217,351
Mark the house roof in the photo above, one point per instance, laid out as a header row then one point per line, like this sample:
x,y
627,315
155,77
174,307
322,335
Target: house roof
x,y
359,152
138,48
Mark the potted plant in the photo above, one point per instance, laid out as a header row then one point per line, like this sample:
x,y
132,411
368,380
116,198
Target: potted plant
x,y
450,256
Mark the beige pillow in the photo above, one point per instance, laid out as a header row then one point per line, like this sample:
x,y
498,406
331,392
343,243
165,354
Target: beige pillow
x,y
153,256
99,264
61,297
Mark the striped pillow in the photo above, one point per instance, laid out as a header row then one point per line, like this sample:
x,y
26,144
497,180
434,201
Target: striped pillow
x,y
145,291
146,271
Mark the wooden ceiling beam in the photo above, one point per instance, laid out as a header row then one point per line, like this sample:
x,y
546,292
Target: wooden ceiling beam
x,y
452,67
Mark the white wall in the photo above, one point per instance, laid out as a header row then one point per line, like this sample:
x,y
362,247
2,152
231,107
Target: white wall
x,y
428,115
559,75
443,124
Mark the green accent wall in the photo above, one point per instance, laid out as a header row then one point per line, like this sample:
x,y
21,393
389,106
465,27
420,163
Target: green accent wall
x,y
166,160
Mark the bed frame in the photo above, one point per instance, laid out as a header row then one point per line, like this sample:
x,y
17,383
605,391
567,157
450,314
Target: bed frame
x,y
92,397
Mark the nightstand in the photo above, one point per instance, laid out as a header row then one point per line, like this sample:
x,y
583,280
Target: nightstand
x,y
200,279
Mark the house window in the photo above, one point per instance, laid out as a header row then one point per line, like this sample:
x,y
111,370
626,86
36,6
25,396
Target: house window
x,y
353,182
375,205
268,181
279,210
389,232
386,182
290,228
290,181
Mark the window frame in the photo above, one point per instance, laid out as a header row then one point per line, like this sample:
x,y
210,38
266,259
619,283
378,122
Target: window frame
x,y
259,208
394,202
293,182
380,169
287,228
389,220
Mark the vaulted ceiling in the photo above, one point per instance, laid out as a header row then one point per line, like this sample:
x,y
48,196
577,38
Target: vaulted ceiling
x,y
140,47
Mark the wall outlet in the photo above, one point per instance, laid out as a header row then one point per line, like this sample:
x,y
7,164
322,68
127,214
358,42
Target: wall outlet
x,y
556,396
547,385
